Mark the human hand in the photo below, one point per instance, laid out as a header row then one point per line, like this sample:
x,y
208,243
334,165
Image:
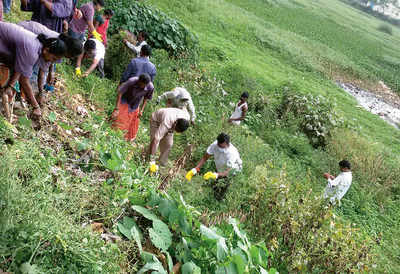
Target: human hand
x,y
97,36
86,74
140,114
327,175
78,71
114,115
77,14
210,175
153,168
190,174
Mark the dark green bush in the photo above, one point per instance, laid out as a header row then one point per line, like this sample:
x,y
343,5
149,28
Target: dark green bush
x,y
164,32
386,29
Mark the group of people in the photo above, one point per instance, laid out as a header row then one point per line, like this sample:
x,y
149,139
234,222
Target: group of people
x,y
58,29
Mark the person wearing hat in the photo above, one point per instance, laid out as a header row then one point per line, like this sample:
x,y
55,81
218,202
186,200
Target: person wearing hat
x,y
179,98
338,186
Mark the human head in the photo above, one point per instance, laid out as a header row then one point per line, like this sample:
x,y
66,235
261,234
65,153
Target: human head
x,y
344,165
108,13
98,4
53,48
223,140
74,46
244,96
145,51
144,80
90,46
181,125
142,35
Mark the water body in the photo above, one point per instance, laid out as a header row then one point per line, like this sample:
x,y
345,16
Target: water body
x,y
388,110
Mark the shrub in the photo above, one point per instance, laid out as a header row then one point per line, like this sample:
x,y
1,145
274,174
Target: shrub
x,y
164,32
301,230
315,115
386,29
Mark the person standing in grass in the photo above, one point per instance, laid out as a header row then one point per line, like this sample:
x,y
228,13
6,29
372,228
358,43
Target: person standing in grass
x,y
179,98
140,65
78,25
141,41
94,49
163,123
101,23
338,187
227,161
240,110
127,112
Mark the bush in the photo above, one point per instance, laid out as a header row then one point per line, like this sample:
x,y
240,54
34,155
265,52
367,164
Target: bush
x,y
164,32
315,115
386,29
301,230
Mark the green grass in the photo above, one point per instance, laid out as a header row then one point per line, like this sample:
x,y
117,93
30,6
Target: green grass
x,y
258,46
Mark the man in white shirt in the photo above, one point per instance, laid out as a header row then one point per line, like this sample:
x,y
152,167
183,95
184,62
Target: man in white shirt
x,y
92,49
337,187
141,41
227,161
179,98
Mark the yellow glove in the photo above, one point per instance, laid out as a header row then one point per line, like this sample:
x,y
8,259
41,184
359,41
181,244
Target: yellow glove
x,y
210,175
153,167
190,174
78,71
97,36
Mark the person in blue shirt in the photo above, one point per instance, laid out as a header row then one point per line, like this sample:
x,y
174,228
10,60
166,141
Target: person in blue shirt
x,y
140,65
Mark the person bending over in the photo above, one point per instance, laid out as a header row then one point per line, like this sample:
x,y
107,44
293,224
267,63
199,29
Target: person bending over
x,y
92,49
337,187
240,110
227,161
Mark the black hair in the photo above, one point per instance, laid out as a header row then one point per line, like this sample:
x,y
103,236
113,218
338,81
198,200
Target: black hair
x,y
345,164
108,12
223,138
90,45
74,46
144,78
244,95
56,46
100,2
145,50
144,34
181,125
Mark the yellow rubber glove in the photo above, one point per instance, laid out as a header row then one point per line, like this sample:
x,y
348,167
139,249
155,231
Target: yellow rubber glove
x,y
190,174
97,36
210,175
78,71
153,167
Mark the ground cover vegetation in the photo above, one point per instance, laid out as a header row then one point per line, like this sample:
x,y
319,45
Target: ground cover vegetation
x,y
80,182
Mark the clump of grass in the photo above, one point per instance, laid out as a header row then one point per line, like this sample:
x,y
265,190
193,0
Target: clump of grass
x,y
386,29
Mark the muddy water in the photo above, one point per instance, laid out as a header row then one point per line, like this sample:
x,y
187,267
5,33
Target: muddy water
x,y
376,104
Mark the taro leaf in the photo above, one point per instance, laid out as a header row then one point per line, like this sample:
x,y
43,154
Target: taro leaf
x,y
146,213
170,263
273,271
255,255
239,233
27,268
240,264
160,235
184,224
130,230
148,257
157,267
222,250
209,233
52,117
190,268
231,269
166,207
263,271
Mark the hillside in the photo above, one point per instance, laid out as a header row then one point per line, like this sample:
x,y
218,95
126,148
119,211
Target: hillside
x,y
68,173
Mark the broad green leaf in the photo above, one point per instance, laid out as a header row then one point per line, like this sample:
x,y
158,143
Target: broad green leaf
x,y
263,271
27,268
136,235
240,263
170,263
190,268
239,233
146,213
157,266
160,235
148,257
232,269
209,233
52,117
130,230
222,250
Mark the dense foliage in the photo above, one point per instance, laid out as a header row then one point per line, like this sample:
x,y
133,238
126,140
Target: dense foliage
x,y
164,32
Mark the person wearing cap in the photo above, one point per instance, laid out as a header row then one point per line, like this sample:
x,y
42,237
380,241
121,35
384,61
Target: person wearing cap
x,y
141,41
78,25
338,186
240,111
140,65
163,123
179,98
127,112
227,161
94,49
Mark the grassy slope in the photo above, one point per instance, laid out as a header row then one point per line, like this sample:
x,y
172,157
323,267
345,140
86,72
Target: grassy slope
x,y
257,48
306,43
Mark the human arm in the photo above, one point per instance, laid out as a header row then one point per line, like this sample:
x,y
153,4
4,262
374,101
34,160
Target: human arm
x,y
79,60
115,113
165,96
143,106
40,80
27,88
204,159
91,68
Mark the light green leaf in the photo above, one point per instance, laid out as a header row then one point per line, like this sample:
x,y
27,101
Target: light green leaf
x,y
160,235
222,250
146,213
157,266
209,233
27,268
190,268
52,117
170,263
